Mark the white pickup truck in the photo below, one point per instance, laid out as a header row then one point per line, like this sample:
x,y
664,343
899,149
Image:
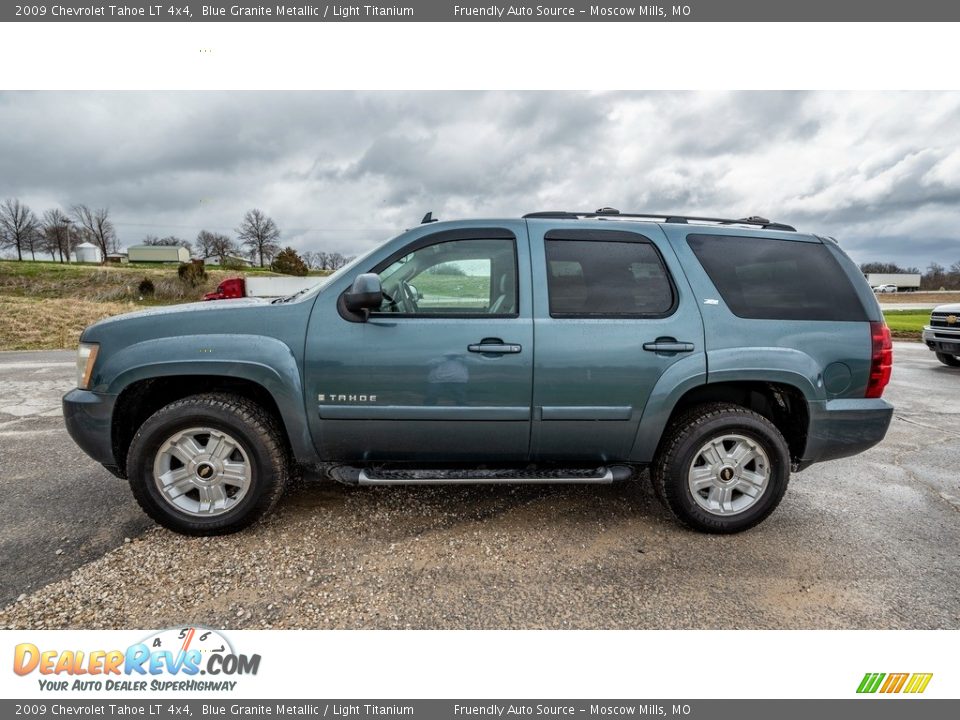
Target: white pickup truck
x,y
942,335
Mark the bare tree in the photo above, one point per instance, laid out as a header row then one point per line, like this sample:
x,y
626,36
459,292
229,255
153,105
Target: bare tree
x,y
18,225
336,261
313,259
35,240
259,234
96,227
57,235
211,244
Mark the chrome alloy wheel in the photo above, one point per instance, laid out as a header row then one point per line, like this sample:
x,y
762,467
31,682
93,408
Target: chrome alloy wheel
x,y
201,471
729,474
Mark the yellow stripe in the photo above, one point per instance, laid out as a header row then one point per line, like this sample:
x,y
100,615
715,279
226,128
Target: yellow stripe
x,y
925,679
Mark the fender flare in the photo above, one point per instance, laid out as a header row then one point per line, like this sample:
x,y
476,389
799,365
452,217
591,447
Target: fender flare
x,y
783,366
265,361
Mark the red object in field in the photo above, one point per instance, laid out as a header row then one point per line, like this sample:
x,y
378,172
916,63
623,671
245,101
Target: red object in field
x,y
228,289
881,362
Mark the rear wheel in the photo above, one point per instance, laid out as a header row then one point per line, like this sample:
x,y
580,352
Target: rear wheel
x,y
722,468
208,464
947,359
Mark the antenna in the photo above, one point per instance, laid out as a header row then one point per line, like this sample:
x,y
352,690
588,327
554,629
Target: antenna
x,y
428,218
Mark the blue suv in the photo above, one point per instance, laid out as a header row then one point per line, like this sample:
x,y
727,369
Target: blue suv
x,y
559,347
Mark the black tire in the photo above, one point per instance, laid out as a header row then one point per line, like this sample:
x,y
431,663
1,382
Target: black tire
x,y
678,451
257,431
949,360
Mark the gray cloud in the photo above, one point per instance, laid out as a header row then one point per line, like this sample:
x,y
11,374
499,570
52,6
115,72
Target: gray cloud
x,y
342,171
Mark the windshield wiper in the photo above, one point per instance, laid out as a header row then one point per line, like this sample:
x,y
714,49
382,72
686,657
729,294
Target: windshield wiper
x,y
287,299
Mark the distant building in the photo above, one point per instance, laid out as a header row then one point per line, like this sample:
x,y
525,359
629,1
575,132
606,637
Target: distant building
x,y
158,254
117,257
227,259
87,253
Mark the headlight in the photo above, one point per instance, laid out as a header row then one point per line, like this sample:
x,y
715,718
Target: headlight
x,y
86,357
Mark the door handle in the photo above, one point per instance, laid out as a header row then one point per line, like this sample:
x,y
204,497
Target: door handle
x,y
497,347
668,345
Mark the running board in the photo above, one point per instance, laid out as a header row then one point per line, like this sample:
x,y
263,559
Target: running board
x,y
384,476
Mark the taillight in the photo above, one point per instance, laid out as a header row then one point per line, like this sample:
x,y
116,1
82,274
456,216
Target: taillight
x,y
881,359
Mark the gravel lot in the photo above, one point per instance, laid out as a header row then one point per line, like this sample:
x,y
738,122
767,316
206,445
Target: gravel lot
x,y
867,542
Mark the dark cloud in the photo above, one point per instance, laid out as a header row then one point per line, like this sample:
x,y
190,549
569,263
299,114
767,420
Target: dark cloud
x,y
880,171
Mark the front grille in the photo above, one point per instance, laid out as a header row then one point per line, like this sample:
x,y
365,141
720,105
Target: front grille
x,y
940,320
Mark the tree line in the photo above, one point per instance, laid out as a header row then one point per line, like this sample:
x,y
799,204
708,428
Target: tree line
x,y
935,277
57,232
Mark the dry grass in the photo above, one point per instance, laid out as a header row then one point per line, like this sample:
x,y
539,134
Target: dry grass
x,y
50,323
45,306
53,280
934,298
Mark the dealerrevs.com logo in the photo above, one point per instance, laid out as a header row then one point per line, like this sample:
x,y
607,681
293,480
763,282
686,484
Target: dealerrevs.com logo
x,y
172,659
910,683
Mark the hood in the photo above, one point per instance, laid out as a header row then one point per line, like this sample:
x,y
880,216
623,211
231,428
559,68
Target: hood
x,y
205,305
950,308
184,309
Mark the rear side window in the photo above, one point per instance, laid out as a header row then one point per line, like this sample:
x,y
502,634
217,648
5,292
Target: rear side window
x,y
767,279
589,278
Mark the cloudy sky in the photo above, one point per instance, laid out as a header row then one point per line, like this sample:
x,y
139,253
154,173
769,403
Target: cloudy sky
x,y
343,171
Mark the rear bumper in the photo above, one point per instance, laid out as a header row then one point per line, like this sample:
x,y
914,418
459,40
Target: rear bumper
x,y
942,340
88,418
841,428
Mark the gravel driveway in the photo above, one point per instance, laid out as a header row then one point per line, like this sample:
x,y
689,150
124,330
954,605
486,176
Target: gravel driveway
x,y
867,542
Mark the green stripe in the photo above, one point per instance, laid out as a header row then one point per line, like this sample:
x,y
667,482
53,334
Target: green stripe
x,y
871,682
876,684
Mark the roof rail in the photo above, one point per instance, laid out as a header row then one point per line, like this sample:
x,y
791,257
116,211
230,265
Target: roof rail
x,y
608,212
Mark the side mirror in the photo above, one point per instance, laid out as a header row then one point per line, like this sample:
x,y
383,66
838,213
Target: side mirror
x,y
364,294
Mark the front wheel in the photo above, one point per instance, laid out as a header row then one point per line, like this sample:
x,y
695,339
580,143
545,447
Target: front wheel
x,y
947,359
208,464
722,468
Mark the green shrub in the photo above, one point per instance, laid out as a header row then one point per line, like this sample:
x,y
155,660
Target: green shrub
x,y
289,263
192,274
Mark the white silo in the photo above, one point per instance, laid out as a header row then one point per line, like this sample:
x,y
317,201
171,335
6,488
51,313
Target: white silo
x,y
88,252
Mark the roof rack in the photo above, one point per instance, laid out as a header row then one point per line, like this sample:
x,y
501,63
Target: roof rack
x,y
607,212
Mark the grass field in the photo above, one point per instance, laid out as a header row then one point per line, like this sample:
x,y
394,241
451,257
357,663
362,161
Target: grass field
x,y
907,320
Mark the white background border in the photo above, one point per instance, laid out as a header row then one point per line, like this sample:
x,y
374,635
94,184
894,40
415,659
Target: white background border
x,y
457,56
574,664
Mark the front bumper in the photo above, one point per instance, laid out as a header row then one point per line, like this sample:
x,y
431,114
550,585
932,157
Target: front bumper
x,y
88,416
942,340
841,428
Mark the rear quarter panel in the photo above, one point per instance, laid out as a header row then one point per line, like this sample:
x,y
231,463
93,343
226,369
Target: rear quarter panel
x,y
823,359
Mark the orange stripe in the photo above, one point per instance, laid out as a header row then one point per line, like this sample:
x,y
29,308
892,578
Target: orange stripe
x,y
186,642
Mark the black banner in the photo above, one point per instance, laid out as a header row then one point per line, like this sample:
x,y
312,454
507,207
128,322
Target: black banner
x,y
222,708
479,11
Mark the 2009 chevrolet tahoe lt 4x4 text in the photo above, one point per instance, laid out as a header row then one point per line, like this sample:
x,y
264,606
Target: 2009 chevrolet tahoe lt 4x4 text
x,y
558,347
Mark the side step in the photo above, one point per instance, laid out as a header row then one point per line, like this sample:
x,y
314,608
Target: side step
x,y
543,476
